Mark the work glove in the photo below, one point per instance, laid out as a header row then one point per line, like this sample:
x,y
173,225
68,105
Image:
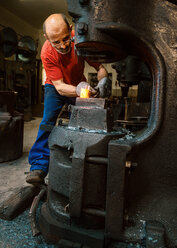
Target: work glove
x,y
104,87
84,85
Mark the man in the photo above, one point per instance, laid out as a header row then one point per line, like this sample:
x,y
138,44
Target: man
x,y
64,72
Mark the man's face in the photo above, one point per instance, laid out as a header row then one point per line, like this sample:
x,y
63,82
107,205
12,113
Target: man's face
x,y
61,41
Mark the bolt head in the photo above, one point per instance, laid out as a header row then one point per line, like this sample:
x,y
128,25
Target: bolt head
x,y
82,28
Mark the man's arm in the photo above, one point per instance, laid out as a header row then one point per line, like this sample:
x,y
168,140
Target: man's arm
x,y
65,89
70,90
102,72
104,86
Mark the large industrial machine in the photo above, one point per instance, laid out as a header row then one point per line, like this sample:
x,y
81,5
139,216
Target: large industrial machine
x,y
110,187
17,75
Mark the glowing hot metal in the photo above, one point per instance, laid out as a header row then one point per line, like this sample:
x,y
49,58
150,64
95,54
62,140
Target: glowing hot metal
x,y
84,93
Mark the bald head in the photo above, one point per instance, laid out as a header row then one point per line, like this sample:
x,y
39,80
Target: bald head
x,y
58,32
55,23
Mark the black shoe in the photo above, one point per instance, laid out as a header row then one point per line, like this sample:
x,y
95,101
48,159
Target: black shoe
x,y
36,176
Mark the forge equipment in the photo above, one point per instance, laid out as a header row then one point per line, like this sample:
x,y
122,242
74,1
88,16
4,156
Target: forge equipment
x,y
94,199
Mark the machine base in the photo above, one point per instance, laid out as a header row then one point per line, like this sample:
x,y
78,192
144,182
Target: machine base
x,y
55,231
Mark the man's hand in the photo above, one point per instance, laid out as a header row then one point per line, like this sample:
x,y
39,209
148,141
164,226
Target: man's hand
x,y
84,85
104,87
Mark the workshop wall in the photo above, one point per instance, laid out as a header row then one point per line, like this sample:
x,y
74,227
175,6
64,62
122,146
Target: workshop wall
x,y
13,21
7,19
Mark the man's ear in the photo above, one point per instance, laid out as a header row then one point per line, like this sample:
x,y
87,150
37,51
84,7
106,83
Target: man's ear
x,y
70,27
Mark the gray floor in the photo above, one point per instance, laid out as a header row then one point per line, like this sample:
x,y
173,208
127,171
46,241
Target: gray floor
x,y
12,172
17,233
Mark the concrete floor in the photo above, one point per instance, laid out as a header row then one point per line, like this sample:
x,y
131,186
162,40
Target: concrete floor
x,y
17,233
12,172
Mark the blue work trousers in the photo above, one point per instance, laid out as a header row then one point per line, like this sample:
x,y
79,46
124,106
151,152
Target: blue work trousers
x,y
53,103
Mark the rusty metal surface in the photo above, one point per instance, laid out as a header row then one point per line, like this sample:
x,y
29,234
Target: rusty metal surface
x,y
33,208
91,118
91,102
129,197
55,231
91,114
70,175
69,164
